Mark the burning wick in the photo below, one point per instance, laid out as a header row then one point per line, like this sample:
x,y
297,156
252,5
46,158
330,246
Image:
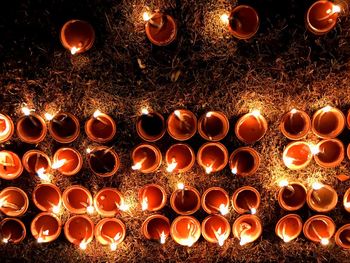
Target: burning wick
x,y
244,239
58,164
122,206
56,209
180,186
324,241
82,245
97,115
224,210
331,11
5,203
90,209
162,237
317,186
234,170
219,236
88,150
144,111
314,148
146,16
293,111
138,165
224,18
209,168
327,109
42,175
144,204
74,50
5,240
256,113
113,246
253,211
42,235
171,167
288,160
286,237
48,116
283,183
26,111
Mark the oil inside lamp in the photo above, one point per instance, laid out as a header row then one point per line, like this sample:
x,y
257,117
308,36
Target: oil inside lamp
x,y
12,230
182,124
212,156
322,198
110,231
328,122
246,199
152,197
297,155
107,201
36,162
185,200
295,124
319,228
213,126
150,126
216,229
156,227
146,158
291,196
10,165
251,127
67,161
330,154
45,227
289,227
6,128
244,161
180,158
13,201
103,161
342,236
243,22
247,228
47,197
64,127
100,127
215,200
185,230
79,230
77,199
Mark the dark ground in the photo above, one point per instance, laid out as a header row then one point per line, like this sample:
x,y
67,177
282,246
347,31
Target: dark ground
x,y
282,67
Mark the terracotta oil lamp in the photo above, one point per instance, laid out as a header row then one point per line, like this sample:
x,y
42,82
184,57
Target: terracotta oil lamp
x,y
213,126
150,126
246,199
47,197
12,230
110,232
216,229
215,200
247,229
322,17
100,127
13,201
346,200
146,158
152,197
35,161
342,236
67,161
79,230
64,127
108,201
7,128
291,196
330,154
31,128
251,127
185,230
289,227
10,165
322,198
77,200
319,229
348,151
243,22
179,158
328,122
185,200
297,155
212,156
295,124
45,227
103,161
156,227
182,124
244,161
77,36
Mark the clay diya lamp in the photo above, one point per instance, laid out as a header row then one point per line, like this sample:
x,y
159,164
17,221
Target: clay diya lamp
x,y
35,161
100,127
243,22
322,17
146,158
31,128
7,128
244,161
297,155
77,36
110,232
213,126
342,236
247,229
156,227
322,198
346,200
251,127
319,229
216,229
47,197
161,29
103,161
67,161
13,201
289,227
79,230
108,201
330,153
64,127
182,124
215,200
328,122
246,199
77,200
45,227
150,126
348,151
292,196
12,230
295,124
152,197
179,158
185,200
348,119
212,156
185,230
10,165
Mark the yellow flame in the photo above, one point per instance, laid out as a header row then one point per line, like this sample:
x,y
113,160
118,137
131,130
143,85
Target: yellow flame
x,y
209,168
177,113
113,246
48,116
58,164
180,186
144,204
335,9
288,161
5,240
26,111
171,167
317,185
137,166
123,206
293,111
223,209
83,245
314,148
144,111
209,114
162,237
327,108
74,50
7,126
256,113
146,16
42,175
97,113
234,170
90,209
88,150
283,183
244,240
56,209
253,211
224,18
324,241
220,236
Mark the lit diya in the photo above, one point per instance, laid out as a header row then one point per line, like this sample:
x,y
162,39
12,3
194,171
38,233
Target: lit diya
x,y
152,197
110,232
251,127
67,161
100,127
78,200
103,161
246,199
216,229
12,230
244,161
215,200
77,36
212,156
31,128
319,229
243,22
291,196
247,229
295,124
64,127
328,122
346,200
79,230
45,227
7,128
289,227
146,158
342,236
36,162
108,201
47,197
156,227
213,126
185,230
182,124
330,153
297,155
10,165
150,126
322,17
321,198
179,158
185,200
13,201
